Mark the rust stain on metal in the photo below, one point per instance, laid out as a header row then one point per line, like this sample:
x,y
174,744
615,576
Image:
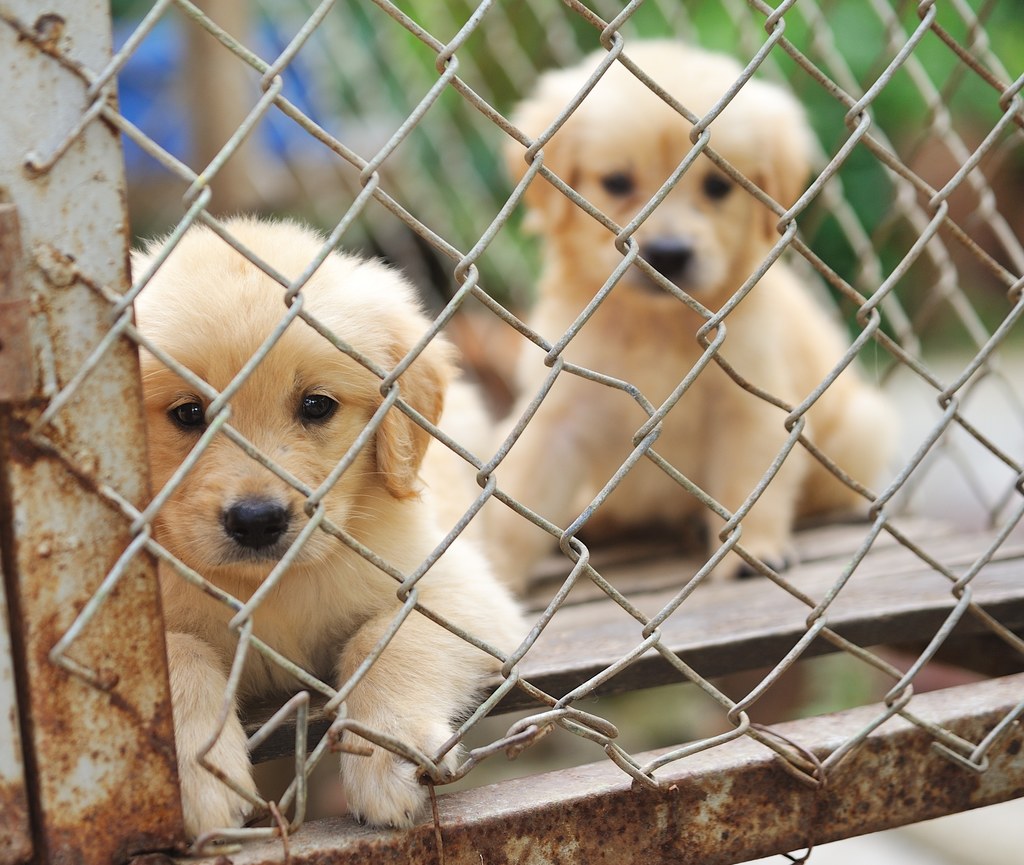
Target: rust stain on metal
x,y
100,755
46,32
15,843
15,834
164,859
17,378
59,268
49,29
717,807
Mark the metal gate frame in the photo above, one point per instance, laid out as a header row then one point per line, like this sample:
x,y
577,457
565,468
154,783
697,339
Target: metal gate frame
x,y
88,646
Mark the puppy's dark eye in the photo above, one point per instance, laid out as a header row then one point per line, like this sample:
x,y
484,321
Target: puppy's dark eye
x,y
188,414
618,183
317,407
717,187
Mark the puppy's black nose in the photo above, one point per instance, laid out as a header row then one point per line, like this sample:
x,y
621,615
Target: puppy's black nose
x,y
670,256
256,523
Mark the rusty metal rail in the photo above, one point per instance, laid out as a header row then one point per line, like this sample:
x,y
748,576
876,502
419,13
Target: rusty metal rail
x,y
717,808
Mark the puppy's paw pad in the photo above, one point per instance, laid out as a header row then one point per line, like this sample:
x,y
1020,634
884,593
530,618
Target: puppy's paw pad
x,y
384,789
778,564
208,803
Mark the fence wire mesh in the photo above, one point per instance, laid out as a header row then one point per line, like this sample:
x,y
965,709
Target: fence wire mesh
x,y
383,124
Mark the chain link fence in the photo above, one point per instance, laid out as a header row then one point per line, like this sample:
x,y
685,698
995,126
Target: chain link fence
x,y
383,125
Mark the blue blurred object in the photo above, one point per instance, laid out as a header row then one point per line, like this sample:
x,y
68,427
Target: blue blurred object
x,y
150,97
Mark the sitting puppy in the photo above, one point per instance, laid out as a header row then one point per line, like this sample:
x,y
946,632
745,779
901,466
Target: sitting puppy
x,y
707,237
231,519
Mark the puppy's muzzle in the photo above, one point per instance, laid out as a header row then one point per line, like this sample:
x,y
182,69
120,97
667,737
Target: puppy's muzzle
x,y
256,523
672,257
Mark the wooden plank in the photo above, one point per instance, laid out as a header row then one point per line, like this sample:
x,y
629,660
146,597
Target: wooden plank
x,y
726,628
731,627
656,562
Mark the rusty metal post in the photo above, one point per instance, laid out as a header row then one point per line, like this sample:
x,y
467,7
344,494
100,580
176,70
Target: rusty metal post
x,y
87,636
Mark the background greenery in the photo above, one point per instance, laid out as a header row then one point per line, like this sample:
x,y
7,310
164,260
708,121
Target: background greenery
x,y
362,74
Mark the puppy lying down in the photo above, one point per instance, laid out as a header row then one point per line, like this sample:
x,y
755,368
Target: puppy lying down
x,y
231,519
707,237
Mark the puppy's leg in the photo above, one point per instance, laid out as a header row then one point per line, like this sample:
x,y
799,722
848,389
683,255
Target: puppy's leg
x,y
198,684
859,432
425,678
741,451
545,470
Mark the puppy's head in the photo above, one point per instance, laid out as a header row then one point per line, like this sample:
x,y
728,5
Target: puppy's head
x,y
302,406
623,142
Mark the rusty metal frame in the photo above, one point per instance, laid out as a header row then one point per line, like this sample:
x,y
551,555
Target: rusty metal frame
x,y
719,808
88,649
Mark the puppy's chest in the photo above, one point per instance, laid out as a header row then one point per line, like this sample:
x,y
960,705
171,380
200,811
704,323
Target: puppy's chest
x,y
653,361
303,631
306,621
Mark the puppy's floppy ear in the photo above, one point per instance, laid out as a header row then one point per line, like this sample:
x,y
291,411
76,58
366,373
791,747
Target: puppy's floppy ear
x,y
547,207
786,145
401,443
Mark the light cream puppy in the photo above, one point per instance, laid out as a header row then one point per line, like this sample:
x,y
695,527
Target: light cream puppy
x,y
707,236
232,519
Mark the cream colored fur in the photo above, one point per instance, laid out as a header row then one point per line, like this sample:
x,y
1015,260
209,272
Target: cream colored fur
x,y
779,337
211,309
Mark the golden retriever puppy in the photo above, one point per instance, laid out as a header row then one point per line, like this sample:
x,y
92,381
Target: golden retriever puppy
x,y
707,237
231,519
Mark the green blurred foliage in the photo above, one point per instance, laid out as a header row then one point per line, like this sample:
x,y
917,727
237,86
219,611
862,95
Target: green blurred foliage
x,y
847,35
371,74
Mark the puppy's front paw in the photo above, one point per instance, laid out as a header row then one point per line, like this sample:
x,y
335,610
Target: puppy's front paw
x,y
384,789
198,682
778,557
746,570
207,802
